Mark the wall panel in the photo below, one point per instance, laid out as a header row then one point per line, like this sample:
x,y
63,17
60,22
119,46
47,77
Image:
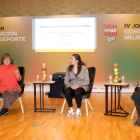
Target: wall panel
x,y
10,8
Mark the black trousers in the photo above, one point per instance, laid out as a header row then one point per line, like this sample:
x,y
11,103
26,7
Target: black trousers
x,y
78,96
136,96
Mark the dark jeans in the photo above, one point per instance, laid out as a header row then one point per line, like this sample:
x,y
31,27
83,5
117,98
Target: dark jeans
x,y
10,98
136,96
78,96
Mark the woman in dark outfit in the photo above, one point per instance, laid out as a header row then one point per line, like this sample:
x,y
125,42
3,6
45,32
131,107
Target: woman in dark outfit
x,y
136,96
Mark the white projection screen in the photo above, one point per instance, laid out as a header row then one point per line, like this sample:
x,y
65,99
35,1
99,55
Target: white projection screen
x,y
63,34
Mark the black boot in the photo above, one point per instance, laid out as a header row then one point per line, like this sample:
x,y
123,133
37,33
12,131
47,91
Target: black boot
x,y
137,122
4,112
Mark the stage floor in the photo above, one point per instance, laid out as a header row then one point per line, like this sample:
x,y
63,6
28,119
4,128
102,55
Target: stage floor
x,y
54,126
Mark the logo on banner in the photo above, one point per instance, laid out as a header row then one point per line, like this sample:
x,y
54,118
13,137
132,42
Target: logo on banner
x,y
10,36
111,32
131,32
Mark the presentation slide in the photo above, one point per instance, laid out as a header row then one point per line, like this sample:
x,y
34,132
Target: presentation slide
x,y
64,34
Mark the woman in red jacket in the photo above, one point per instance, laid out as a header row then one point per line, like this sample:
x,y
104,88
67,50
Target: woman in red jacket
x,y
9,87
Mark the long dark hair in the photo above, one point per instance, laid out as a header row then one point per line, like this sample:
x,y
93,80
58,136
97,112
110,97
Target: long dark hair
x,y
5,55
80,63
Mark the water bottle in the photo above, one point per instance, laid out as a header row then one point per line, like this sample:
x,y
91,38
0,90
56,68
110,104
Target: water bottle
x,y
50,76
110,78
37,78
123,79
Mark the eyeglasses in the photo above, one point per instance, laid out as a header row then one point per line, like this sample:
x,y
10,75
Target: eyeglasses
x,y
7,59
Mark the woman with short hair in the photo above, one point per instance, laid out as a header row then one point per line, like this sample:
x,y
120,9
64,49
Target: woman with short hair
x,y
9,87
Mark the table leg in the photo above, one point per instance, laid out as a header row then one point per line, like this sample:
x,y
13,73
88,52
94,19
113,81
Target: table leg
x,y
40,96
115,98
111,112
111,100
34,97
41,100
106,99
43,95
119,92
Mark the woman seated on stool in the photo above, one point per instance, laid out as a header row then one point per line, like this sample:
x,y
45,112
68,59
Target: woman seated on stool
x,y
76,81
9,87
136,96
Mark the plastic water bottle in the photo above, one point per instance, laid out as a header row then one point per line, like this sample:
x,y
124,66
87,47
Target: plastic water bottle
x,y
50,76
110,78
37,77
123,79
